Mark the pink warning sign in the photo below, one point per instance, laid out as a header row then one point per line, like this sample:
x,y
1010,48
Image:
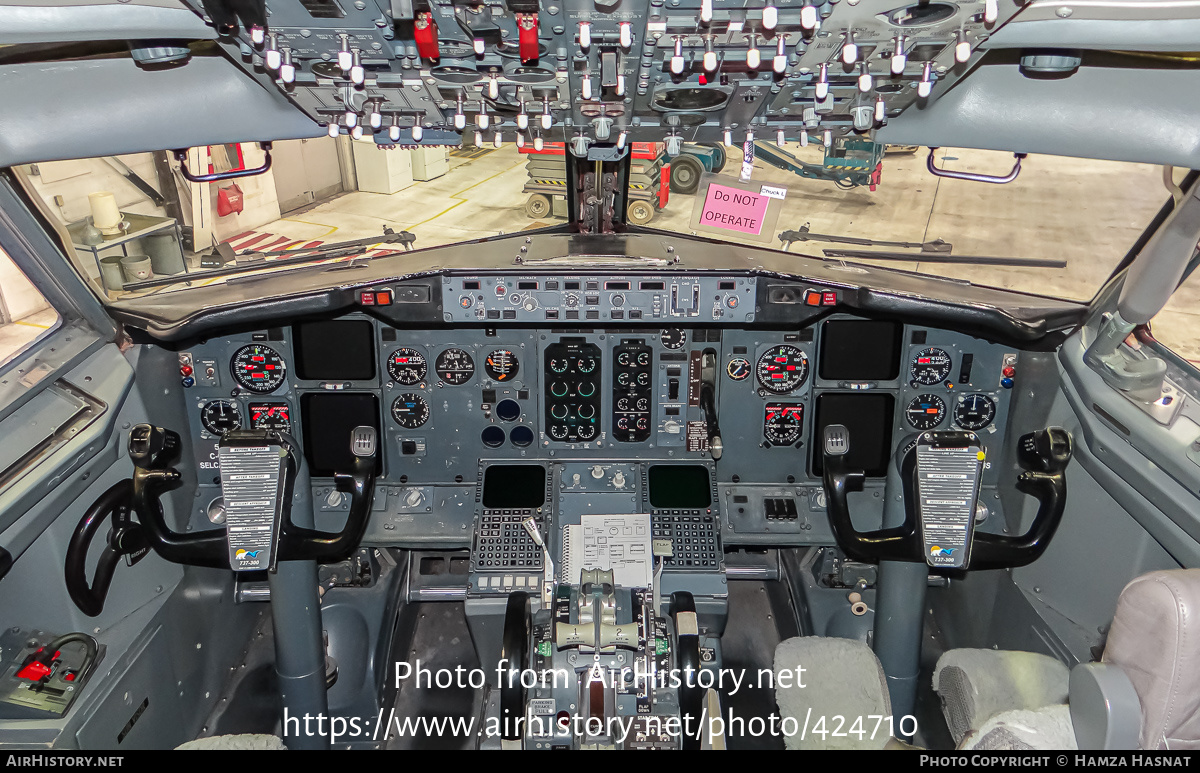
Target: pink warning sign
x,y
733,209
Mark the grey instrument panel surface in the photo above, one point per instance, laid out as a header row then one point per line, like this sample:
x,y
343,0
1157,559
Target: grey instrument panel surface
x,y
426,493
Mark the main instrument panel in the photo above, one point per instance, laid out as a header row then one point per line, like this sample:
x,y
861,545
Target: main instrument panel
x,y
656,376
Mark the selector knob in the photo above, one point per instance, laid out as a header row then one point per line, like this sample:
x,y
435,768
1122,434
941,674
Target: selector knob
x,y
618,480
414,498
334,498
597,472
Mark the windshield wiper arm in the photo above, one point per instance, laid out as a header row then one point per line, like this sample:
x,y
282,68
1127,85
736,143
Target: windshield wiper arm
x,y
804,235
258,261
925,257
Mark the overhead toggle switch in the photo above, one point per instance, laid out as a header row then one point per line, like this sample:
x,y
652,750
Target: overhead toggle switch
x,y
779,63
460,119
808,17
585,35
899,58
710,56
706,9
827,138
926,85
271,56
991,11
520,140
357,133
849,48
522,118
493,86
482,120
622,138
345,59
880,110
770,18
587,85
753,55
822,87
497,139
479,46
780,138
626,35
547,116
677,58
351,118
962,49
375,117
417,132
538,144
334,128
727,138
256,35
394,129
357,74
478,139
804,138
287,70
865,82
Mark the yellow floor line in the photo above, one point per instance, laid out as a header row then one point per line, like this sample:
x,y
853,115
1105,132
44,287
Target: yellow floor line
x,y
31,324
332,228
456,194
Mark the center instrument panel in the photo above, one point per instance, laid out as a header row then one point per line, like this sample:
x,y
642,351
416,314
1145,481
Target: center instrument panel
x,y
494,417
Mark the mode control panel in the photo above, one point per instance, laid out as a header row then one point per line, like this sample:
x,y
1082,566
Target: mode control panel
x,y
573,397
599,299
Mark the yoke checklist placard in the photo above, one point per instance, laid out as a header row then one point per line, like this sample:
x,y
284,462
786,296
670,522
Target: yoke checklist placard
x,y
947,486
251,479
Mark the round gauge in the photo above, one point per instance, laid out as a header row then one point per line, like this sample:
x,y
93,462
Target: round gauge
x,y
782,424
271,416
930,366
502,365
410,410
974,411
454,366
586,364
559,364
782,368
925,411
220,416
738,369
407,366
673,338
258,368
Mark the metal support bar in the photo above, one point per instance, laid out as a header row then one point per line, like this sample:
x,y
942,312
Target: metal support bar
x,y
974,176
181,157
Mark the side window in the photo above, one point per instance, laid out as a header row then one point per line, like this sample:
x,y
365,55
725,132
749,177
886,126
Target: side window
x,y
1177,326
25,316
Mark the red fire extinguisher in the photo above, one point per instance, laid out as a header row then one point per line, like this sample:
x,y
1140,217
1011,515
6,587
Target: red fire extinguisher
x,y
229,200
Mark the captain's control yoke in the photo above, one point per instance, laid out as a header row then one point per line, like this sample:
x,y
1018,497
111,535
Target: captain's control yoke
x,y
269,525
939,473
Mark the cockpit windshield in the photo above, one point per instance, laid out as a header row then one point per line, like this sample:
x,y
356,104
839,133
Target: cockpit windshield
x,y
135,227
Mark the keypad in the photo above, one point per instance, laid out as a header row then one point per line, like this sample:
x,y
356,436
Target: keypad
x,y
501,542
694,535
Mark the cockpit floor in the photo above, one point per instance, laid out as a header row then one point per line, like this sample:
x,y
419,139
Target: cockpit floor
x,y
439,640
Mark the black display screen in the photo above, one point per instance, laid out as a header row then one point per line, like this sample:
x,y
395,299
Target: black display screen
x,y
860,350
336,350
868,417
514,486
328,419
679,485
